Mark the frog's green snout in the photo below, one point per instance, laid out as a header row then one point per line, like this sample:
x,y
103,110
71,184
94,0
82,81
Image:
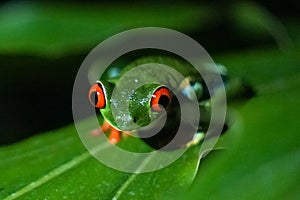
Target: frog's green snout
x,y
142,120
148,102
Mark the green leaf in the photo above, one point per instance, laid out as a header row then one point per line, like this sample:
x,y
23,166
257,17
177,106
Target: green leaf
x,y
55,165
52,30
263,159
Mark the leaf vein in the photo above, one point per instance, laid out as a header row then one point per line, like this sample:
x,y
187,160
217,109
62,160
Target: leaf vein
x,y
55,172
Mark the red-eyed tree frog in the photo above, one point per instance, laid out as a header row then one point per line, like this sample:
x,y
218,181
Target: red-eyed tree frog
x,y
148,101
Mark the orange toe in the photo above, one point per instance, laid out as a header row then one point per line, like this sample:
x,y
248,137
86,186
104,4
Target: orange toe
x,y
106,126
114,136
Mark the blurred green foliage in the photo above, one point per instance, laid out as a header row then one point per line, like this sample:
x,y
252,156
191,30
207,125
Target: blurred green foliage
x,y
59,29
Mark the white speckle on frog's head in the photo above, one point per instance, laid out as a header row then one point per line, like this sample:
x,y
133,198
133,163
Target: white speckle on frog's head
x,y
123,119
113,102
136,80
143,101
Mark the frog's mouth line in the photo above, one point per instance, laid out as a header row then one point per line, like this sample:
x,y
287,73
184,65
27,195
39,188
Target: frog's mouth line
x,y
156,124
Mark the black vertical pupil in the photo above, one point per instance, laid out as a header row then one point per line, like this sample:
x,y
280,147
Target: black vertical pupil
x,y
95,97
164,101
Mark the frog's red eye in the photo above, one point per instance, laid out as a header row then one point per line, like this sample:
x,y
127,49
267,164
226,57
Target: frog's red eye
x,y
161,97
96,96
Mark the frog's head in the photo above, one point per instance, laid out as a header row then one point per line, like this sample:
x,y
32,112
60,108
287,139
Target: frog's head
x,y
145,104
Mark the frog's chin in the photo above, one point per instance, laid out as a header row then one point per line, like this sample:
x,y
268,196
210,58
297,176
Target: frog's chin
x,y
156,124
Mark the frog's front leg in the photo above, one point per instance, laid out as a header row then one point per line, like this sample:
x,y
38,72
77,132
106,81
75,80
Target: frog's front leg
x,y
198,137
114,135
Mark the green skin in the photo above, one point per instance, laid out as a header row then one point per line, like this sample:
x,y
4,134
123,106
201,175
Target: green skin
x,y
140,112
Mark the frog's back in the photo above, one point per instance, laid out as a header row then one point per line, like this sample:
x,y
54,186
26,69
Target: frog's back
x,y
180,65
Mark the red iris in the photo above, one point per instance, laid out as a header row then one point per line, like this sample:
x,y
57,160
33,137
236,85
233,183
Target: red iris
x,y
96,96
161,97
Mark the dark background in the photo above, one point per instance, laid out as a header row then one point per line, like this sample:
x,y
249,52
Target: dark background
x,y
36,91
